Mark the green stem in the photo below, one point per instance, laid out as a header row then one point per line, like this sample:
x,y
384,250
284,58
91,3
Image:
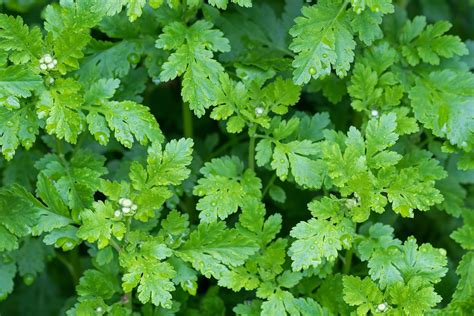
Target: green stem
x,y
129,301
187,202
222,149
347,261
269,184
187,121
59,148
70,268
79,143
251,158
115,245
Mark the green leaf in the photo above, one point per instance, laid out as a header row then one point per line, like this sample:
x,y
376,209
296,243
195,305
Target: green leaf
x,y
373,85
106,59
253,220
7,273
383,6
380,237
194,49
100,224
134,9
222,4
94,283
128,120
367,25
295,157
465,288
277,193
61,107
362,293
17,126
322,39
170,166
68,29
18,213
443,102
284,303
212,249
413,298
76,180
48,193
100,91
155,284
428,43
317,240
16,38
406,262
225,188
465,234
31,257
18,82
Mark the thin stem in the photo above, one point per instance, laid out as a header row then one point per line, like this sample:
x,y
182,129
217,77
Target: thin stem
x,y
128,296
187,121
347,261
269,184
69,267
59,148
187,202
128,224
348,258
129,301
115,245
251,158
79,143
234,141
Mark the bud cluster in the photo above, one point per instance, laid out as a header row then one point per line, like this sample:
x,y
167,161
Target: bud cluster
x,y
127,207
47,62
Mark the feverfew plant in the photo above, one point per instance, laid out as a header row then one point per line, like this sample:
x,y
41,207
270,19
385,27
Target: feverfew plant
x,y
272,157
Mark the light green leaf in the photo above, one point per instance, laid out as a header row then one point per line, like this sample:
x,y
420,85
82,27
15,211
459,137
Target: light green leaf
x,y
212,249
317,240
225,188
322,39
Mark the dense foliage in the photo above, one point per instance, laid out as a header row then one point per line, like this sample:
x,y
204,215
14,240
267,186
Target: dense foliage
x,y
265,157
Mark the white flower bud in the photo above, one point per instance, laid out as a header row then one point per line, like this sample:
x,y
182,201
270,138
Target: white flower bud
x,y
55,62
126,202
382,307
51,66
99,310
117,213
374,113
43,66
125,210
51,80
47,58
134,207
41,60
259,111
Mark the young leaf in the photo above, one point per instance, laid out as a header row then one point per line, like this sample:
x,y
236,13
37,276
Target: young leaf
x,y
212,249
194,49
444,103
322,39
225,188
